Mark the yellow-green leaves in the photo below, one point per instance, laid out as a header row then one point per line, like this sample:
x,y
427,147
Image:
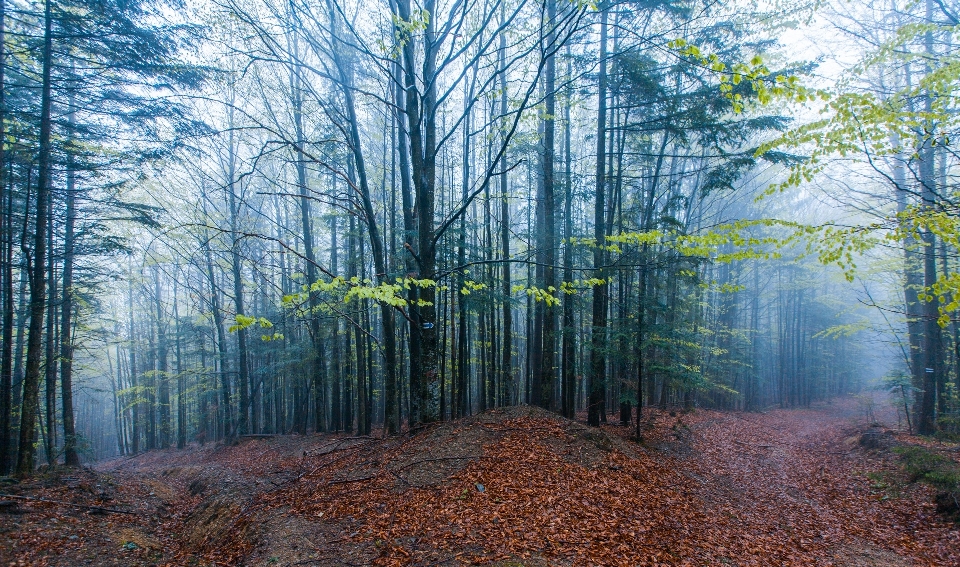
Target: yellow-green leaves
x,y
244,321
544,295
344,290
470,286
766,85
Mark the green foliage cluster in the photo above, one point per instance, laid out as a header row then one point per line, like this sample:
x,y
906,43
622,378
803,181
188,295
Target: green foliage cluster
x,y
923,465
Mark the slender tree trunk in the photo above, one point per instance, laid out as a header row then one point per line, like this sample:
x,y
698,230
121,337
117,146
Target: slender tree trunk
x,y
597,376
544,393
50,357
568,355
463,350
753,381
373,230
336,400
359,269
490,377
162,378
236,264
22,311
181,379
31,380
116,384
506,367
132,370
318,361
226,411
932,339
71,459
6,229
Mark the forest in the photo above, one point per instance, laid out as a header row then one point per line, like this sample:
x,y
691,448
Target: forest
x,y
274,219
244,219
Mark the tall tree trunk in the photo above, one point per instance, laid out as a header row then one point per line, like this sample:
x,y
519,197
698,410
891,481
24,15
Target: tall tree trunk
x,y
359,270
135,418
506,367
336,400
409,231
932,340
31,380
318,361
490,378
226,410
373,230
422,131
50,357
243,371
22,316
463,350
6,229
181,379
568,355
116,384
70,456
753,380
597,376
545,393
162,378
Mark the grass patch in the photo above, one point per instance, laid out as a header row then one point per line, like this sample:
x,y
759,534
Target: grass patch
x,y
940,472
949,428
886,484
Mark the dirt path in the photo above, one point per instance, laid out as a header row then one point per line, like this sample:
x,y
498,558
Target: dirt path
x,y
800,487
511,487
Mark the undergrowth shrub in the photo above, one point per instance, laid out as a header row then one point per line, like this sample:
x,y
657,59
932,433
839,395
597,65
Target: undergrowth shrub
x,y
940,472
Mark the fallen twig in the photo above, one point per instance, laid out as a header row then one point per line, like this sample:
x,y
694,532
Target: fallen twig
x,y
101,508
749,445
417,462
396,474
348,480
337,442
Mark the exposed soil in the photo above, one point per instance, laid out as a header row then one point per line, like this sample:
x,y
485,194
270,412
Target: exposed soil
x,y
510,487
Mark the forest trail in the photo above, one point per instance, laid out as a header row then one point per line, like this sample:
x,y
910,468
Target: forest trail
x,y
510,487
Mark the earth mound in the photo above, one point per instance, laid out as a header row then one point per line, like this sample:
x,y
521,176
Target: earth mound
x,y
511,487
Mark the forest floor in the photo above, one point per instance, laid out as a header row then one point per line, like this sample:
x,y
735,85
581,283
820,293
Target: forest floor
x,y
507,488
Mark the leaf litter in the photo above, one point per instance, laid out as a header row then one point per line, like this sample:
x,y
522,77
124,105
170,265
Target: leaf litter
x,y
514,486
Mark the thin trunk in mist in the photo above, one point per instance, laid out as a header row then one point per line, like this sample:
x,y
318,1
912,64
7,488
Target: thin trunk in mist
x,y
132,370
345,70
506,367
597,376
318,360
50,344
31,381
339,373
181,379
226,410
70,456
543,391
6,270
568,354
162,377
236,263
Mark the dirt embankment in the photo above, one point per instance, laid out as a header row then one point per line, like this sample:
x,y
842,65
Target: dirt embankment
x,y
517,486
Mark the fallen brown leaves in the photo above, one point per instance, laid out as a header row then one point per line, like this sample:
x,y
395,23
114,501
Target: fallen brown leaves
x,y
520,499
521,486
783,488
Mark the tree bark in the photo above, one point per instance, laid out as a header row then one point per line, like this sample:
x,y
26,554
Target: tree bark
x,y
31,380
544,395
70,456
597,389
568,354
